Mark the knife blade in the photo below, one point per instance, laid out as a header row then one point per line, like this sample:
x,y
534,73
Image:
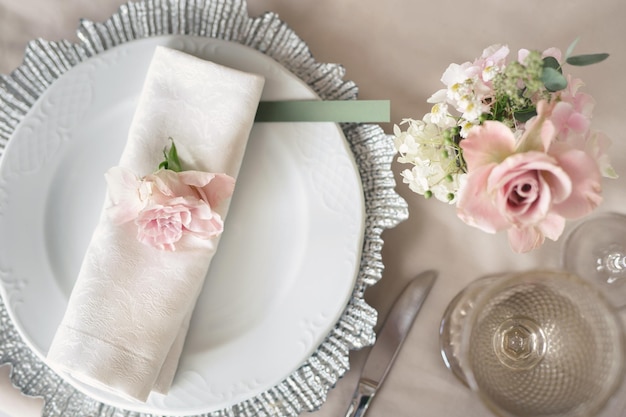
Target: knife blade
x,y
390,338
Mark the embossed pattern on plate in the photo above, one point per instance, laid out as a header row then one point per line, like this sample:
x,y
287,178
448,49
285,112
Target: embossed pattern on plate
x,y
306,387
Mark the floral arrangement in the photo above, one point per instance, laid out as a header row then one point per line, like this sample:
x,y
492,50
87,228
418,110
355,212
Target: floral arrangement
x,y
509,142
170,204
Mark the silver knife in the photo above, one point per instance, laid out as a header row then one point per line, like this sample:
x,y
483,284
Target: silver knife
x,y
389,339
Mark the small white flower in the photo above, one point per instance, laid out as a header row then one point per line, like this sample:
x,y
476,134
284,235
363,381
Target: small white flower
x,y
456,74
438,97
440,116
466,126
456,92
490,72
472,109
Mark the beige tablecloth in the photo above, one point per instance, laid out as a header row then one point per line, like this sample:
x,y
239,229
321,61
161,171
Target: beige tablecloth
x,y
397,50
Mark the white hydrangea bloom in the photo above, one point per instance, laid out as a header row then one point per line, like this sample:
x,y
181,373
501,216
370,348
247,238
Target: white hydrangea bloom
x,y
423,145
446,190
417,182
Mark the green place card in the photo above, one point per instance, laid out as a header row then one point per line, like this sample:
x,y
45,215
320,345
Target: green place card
x,y
338,111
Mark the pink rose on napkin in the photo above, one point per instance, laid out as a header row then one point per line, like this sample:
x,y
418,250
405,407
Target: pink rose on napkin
x,y
167,205
527,186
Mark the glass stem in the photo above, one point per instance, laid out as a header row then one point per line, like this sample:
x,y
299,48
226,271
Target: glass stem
x,y
613,262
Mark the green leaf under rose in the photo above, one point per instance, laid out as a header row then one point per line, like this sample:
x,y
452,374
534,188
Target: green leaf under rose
x,y
171,161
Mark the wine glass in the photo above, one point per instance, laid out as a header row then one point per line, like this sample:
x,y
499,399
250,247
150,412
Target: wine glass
x,y
596,250
535,343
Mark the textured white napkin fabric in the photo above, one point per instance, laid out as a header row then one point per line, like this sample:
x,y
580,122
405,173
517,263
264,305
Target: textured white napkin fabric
x,y
129,311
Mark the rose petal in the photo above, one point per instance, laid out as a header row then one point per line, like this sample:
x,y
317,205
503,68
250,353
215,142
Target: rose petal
x,y
597,147
168,183
566,118
214,188
122,188
488,143
553,52
552,227
205,223
525,239
475,206
207,228
586,187
539,133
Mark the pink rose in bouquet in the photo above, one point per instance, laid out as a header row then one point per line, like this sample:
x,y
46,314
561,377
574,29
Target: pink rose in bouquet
x,y
529,186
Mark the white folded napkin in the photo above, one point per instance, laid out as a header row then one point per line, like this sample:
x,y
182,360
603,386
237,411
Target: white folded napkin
x,y
130,308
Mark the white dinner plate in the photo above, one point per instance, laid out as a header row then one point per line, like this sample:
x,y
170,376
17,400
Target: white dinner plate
x,y
288,258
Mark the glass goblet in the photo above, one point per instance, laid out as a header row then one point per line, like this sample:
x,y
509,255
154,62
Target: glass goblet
x,y
535,343
596,250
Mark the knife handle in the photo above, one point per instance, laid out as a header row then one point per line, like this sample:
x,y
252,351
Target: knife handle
x,y
361,399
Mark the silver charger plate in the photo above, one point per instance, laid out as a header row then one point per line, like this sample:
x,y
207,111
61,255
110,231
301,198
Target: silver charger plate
x,y
307,387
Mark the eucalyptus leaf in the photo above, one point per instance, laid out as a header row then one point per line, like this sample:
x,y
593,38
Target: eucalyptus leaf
x,y
525,115
587,59
551,62
553,79
570,48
